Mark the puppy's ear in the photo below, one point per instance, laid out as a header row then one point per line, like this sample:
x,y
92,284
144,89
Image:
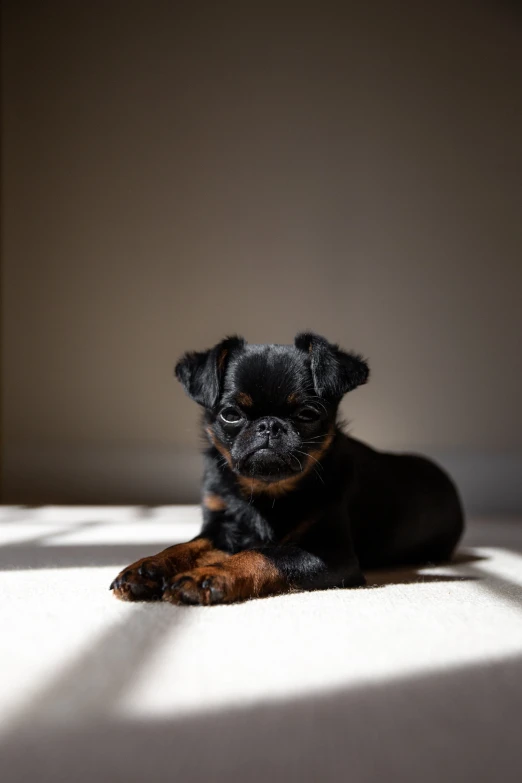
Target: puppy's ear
x,y
201,373
335,372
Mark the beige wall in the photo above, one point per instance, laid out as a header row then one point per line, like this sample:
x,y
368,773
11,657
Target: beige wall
x,y
174,171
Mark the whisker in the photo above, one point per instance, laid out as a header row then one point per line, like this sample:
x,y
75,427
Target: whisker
x,y
298,462
319,476
311,457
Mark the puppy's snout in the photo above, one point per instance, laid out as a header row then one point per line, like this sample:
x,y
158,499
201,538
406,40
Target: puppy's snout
x,y
270,427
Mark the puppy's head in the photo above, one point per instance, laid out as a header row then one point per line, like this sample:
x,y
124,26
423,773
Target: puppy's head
x,y
270,410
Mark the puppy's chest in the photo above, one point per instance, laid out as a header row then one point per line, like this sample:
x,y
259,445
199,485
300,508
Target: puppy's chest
x,y
285,520
259,524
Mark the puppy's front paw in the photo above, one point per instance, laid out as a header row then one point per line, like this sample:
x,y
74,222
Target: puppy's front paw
x,y
141,581
199,587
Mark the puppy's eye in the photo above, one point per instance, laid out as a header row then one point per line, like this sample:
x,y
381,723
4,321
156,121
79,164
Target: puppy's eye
x,y
307,414
231,415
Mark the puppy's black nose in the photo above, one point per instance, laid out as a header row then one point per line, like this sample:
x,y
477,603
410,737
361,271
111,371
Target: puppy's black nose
x,y
270,427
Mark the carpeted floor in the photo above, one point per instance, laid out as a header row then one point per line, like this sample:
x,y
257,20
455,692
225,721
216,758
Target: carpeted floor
x,y
417,678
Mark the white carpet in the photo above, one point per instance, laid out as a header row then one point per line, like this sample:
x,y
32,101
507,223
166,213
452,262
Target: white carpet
x,y
419,677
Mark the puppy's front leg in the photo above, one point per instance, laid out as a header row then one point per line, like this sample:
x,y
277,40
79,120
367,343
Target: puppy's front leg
x,y
144,580
269,570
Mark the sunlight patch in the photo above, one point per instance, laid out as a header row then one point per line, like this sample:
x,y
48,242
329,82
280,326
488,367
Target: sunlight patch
x,y
306,643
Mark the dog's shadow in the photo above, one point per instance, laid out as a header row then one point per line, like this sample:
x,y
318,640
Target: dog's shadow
x,y
407,575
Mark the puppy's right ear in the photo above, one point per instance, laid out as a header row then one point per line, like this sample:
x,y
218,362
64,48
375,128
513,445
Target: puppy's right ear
x,y
201,373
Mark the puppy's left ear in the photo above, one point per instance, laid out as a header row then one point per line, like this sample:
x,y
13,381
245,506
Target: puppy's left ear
x,y
335,372
202,373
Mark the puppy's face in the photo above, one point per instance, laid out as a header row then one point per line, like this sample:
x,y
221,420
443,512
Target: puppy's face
x,y
271,409
268,418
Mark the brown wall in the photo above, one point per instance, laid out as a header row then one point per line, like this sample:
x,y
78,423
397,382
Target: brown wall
x,y
174,171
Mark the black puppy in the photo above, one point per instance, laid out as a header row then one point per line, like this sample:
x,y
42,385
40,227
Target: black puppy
x,y
289,501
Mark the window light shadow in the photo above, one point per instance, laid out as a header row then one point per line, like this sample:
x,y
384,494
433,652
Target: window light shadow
x,y
457,725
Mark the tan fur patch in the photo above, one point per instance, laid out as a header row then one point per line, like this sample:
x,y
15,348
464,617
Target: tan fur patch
x,y
219,446
254,575
212,556
272,488
292,398
184,555
214,502
244,399
221,359
247,574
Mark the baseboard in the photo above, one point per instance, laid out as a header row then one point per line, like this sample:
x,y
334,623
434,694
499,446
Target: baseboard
x,y
127,474
489,482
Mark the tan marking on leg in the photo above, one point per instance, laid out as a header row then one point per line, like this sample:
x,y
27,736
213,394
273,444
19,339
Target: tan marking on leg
x,y
253,574
245,575
214,502
212,557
